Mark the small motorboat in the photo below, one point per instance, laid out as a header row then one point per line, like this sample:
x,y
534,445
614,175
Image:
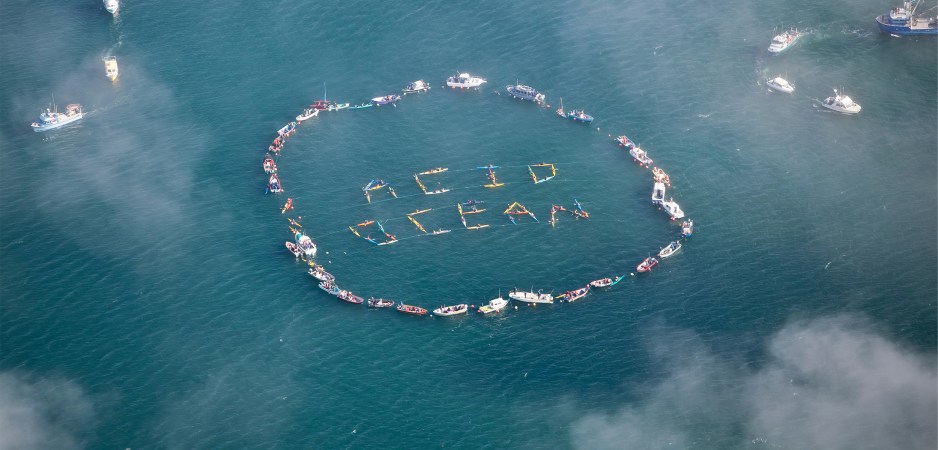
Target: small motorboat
x,y
269,165
640,156
386,100
293,249
781,42
379,303
112,6
320,274
329,287
305,244
671,249
273,184
338,107
661,176
448,311
412,310
523,92
687,228
578,115
841,103
624,141
673,209
657,195
348,296
307,114
52,118
575,295
530,296
464,81
647,264
110,67
606,282
322,105
780,84
287,130
416,86
493,306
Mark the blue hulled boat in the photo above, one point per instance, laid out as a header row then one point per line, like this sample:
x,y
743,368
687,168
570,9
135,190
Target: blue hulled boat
x,y
901,21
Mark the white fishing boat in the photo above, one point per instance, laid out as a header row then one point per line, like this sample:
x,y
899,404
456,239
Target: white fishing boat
x,y
416,86
110,67
320,274
780,84
841,103
530,297
781,42
112,6
305,244
386,100
493,306
657,195
640,156
380,303
673,209
671,249
575,295
307,114
687,228
447,311
464,81
52,118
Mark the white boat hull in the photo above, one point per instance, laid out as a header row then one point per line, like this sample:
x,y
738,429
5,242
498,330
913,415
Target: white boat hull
x,y
61,123
531,297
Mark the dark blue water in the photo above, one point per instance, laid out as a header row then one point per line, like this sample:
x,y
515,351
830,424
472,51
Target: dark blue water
x,y
148,301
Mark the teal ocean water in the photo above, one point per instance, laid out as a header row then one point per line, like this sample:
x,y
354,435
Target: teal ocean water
x,y
148,300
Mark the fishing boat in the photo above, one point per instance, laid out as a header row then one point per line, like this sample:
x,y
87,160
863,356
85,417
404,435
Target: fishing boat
x,y
687,228
416,86
305,244
293,249
578,115
287,130
110,67
412,310
781,42
433,171
307,114
320,274
841,103
449,311
493,306
574,295
111,6
379,303
273,184
348,296
671,249
661,176
646,265
673,209
523,92
329,287
269,165
901,21
624,141
386,100
780,84
464,81
641,156
52,118
657,195
606,282
322,105
530,297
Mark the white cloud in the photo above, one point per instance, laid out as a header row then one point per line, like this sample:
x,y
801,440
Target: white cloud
x,y
829,383
37,413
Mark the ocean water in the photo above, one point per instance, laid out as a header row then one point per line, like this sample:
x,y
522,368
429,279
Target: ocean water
x,y
148,302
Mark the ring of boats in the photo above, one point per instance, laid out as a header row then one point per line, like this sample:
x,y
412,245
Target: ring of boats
x,y
303,247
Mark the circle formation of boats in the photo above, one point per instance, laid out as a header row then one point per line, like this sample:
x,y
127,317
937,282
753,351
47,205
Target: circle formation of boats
x,y
302,246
